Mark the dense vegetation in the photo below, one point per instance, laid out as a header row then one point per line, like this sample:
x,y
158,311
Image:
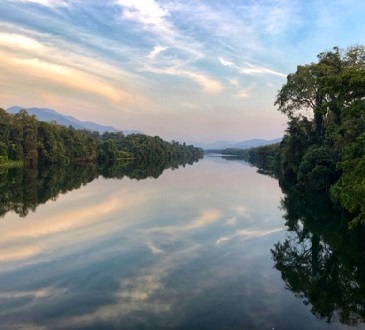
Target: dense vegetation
x,y
324,145
25,140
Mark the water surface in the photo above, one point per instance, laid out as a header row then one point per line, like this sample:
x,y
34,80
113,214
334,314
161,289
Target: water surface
x,y
188,250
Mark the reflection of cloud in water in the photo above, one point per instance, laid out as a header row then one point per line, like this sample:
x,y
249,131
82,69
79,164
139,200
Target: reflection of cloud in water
x,y
146,291
16,253
243,211
232,221
43,236
172,248
148,250
36,294
65,222
206,218
154,248
247,234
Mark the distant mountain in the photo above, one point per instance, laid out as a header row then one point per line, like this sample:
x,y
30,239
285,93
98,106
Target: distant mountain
x,y
219,145
213,145
48,115
253,143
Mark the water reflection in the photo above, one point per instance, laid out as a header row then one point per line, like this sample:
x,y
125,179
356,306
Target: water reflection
x,y
187,251
321,261
23,189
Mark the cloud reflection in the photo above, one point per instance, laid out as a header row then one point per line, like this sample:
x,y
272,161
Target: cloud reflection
x,y
36,294
141,253
41,236
247,234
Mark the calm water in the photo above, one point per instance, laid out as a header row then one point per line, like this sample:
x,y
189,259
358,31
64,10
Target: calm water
x,y
188,250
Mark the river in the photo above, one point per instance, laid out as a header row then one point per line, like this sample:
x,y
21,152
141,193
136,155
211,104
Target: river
x,y
190,249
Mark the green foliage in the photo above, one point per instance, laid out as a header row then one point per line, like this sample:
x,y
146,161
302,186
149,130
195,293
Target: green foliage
x,y
243,153
317,169
147,148
3,152
324,145
265,158
108,152
350,189
24,138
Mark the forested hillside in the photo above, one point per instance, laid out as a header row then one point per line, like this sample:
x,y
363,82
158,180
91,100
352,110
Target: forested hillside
x,y
26,141
324,145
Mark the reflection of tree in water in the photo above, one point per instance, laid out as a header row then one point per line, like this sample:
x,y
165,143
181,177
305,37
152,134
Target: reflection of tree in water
x,y
23,189
322,261
141,170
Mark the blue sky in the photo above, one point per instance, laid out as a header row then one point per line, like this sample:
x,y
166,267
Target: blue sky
x,y
184,70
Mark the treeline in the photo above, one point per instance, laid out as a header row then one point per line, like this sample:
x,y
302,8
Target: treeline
x,y
324,145
237,152
26,140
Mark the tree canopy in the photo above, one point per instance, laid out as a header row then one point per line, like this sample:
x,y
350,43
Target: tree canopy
x,y
324,145
25,139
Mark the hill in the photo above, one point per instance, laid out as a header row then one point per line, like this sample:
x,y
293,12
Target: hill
x,y
49,115
246,144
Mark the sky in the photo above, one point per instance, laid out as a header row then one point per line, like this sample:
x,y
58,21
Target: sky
x,y
181,69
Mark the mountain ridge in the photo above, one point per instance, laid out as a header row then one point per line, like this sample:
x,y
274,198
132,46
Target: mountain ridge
x,y
49,115
251,143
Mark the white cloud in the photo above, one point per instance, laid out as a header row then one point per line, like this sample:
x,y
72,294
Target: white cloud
x,y
51,63
251,69
47,3
146,12
176,68
272,17
157,20
156,50
260,70
119,44
209,85
226,63
13,40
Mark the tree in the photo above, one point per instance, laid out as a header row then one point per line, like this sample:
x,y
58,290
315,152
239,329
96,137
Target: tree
x,y
317,169
324,145
28,131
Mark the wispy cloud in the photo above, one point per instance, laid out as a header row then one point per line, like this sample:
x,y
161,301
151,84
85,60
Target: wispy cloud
x,y
251,69
18,41
273,17
67,67
180,69
156,50
48,3
145,48
148,12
